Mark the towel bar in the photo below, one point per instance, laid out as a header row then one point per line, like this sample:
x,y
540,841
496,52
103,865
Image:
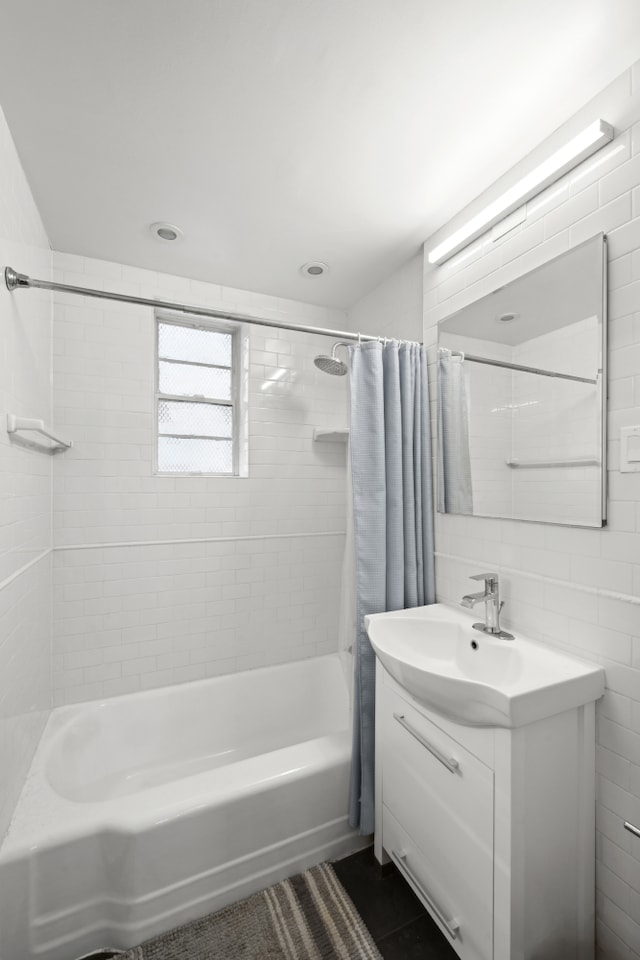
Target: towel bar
x,y
575,462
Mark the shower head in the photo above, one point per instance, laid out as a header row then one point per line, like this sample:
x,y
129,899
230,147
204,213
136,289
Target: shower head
x,y
331,364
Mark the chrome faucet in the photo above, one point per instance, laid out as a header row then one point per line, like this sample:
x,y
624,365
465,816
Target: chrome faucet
x,y
491,599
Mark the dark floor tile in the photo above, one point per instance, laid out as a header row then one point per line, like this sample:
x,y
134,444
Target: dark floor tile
x,y
382,898
419,940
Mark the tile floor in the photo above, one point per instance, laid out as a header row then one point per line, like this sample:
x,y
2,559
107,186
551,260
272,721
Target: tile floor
x,y
397,921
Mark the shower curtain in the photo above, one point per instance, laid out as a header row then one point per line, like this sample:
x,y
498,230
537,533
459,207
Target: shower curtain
x,y
454,462
393,521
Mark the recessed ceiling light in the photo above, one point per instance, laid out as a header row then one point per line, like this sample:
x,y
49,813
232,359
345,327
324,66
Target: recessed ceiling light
x,y
167,232
507,317
315,268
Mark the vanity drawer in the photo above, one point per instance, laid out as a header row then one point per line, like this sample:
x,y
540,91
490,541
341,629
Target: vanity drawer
x,y
435,787
462,909
442,795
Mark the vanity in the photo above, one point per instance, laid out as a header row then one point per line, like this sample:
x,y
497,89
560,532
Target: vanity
x,y
485,755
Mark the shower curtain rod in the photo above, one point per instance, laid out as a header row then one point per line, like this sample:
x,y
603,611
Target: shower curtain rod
x,y
520,367
18,281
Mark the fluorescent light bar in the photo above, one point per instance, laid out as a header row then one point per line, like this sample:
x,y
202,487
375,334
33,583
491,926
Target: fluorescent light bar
x,y
564,159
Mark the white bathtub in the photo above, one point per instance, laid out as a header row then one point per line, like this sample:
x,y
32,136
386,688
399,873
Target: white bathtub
x,y
145,811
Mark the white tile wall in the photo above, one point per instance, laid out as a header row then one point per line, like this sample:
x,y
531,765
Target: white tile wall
x,y
25,678
575,588
267,588
25,484
133,617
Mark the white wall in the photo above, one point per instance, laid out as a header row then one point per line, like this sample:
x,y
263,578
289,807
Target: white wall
x,y
574,588
25,484
394,307
159,580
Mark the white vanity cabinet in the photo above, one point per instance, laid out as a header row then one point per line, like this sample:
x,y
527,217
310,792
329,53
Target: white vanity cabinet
x,y
493,827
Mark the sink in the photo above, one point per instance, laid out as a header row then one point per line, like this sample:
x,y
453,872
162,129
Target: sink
x,y
474,678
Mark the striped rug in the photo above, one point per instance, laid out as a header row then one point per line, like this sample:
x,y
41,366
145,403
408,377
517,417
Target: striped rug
x,y
308,917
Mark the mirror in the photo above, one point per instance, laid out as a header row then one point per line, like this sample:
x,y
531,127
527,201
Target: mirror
x,y
522,388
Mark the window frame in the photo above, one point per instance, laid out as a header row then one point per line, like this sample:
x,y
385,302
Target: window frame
x,y
239,366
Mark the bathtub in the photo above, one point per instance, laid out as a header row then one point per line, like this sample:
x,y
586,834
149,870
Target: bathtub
x,y
147,810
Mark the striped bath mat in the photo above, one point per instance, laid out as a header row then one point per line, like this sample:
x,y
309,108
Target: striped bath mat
x,y
308,917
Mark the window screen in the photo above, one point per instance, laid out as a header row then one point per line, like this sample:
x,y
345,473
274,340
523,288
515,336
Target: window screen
x,y
195,399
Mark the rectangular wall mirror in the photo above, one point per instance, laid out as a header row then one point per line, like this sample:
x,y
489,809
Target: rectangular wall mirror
x,y
522,393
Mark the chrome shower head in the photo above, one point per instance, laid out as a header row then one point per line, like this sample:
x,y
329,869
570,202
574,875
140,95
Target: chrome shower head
x,y
331,364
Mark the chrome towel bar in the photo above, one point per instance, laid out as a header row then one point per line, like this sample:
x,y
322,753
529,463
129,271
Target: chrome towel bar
x,y
574,462
630,827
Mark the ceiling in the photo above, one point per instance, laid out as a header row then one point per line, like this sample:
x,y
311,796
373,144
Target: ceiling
x,y
275,132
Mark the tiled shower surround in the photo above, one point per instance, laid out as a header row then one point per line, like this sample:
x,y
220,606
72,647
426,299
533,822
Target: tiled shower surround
x,y
163,579
574,588
25,486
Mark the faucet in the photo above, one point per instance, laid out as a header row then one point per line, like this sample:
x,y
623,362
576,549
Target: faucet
x,y
491,599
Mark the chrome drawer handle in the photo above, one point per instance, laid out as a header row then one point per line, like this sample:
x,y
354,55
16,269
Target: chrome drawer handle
x,y
449,762
631,828
451,926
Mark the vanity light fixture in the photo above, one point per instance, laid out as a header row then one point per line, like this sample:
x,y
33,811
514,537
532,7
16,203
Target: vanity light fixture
x,y
559,163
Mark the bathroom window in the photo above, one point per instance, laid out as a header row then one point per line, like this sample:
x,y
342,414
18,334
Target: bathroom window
x,y
200,408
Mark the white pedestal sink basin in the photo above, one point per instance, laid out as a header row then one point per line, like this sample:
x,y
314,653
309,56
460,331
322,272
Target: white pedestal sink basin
x,y
474,678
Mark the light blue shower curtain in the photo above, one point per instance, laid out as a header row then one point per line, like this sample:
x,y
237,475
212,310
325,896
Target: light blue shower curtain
x,y
454,462
393,521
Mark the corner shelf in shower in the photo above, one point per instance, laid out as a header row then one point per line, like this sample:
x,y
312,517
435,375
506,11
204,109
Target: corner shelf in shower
x,y
330,436
16,424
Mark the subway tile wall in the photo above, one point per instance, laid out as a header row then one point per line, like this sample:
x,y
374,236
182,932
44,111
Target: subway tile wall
x,y
140,599
25,484
577,589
